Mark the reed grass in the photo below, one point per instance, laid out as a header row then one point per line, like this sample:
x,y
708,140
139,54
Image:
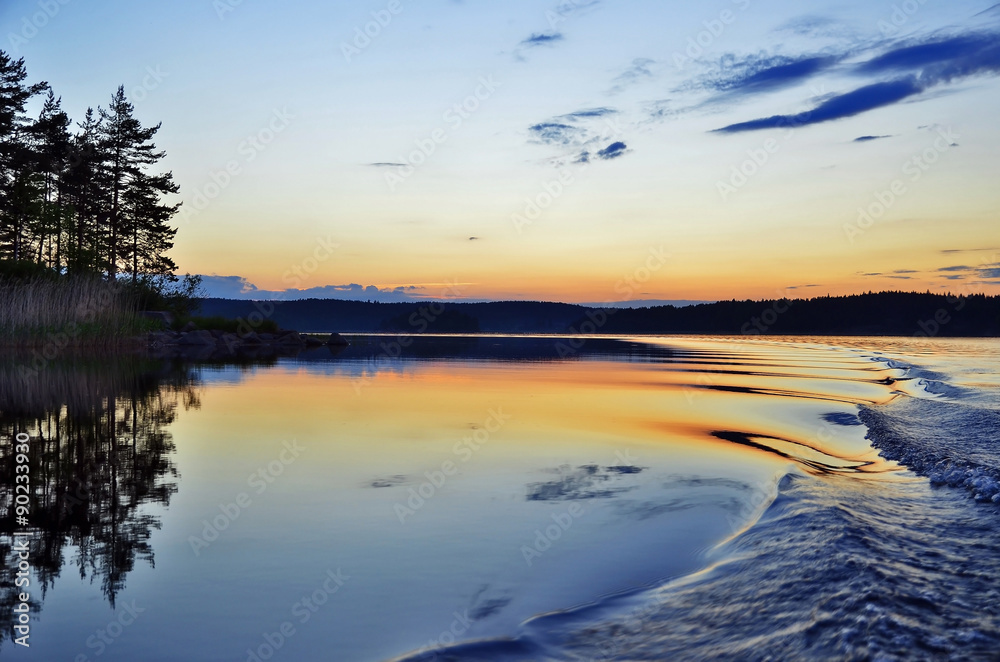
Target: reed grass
x,y
67,312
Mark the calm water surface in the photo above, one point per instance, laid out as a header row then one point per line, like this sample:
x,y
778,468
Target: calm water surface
x,y
513,498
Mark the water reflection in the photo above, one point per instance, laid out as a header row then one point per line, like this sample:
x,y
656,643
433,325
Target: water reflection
x,y
433,476
99,452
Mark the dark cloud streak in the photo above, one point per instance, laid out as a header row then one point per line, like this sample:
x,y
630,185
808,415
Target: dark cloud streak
x,y
924,65
542,39
852,103
613,151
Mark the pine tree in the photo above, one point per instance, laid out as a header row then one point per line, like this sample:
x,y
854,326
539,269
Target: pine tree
x,y
51,151
128,149
146,222
84,203
17,182
86,194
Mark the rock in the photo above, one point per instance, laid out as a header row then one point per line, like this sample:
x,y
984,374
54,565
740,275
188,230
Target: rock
x,y
337,340
313,342
201,338
292,338
252,339
217,333
196,352
187,328
161,338
267,337
230,341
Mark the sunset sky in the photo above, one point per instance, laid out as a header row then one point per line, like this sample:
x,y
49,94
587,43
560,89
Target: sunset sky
x,y
579,151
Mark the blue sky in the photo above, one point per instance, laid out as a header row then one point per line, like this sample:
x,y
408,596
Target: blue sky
x,y
552,150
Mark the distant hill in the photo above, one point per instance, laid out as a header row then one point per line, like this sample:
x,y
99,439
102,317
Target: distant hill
x,y
427,317
883,313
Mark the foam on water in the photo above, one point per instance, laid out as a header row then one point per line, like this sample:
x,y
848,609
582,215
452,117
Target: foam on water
x,y
946,432
835,566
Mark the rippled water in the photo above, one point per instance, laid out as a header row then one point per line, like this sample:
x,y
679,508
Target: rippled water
x,y
520,499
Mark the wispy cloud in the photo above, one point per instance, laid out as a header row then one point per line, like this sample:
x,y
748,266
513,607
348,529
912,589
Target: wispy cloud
x,y
557,133
818,27
989,272
589,113
766,73
612,151
577,129
949,251
542,39
865,139
639,70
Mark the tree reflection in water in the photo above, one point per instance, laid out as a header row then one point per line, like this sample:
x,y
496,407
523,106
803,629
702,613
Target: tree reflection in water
x,y
100,451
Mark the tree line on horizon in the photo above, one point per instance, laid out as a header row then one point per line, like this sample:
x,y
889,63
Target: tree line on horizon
x,y
83,199
873,313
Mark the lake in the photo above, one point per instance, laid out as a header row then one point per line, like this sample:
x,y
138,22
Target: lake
x,y
508,498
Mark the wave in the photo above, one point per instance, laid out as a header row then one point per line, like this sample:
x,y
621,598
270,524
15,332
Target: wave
x,y
838,565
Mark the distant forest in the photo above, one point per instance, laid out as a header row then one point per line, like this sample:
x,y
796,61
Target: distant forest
x,y
82,199
884,313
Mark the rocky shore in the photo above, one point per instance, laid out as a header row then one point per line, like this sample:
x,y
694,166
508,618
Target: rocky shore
x,y
204,344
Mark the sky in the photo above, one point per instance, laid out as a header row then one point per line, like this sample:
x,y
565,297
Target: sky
x,y
574,150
